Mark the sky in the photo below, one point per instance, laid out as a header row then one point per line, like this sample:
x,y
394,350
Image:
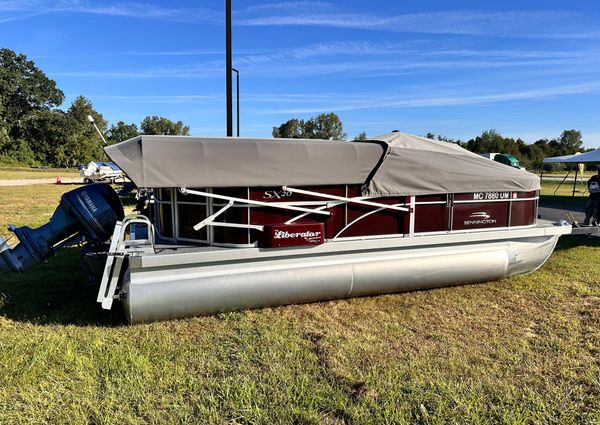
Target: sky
x,y
528,69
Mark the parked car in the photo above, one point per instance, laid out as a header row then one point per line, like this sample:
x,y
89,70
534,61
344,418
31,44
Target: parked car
x,y
503,158
509,160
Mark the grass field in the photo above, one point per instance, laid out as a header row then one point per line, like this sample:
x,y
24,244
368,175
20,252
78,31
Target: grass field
x,y
521,350
14,173
553,193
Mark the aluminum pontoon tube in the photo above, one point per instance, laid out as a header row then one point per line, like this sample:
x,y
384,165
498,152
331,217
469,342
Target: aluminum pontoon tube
x,y
162,289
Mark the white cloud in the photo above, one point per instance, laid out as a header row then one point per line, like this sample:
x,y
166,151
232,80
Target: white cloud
x,y
160,99
134,53
299,103
287,7
123,9
194,70
18,17
340,102
368,59
504,23
519,23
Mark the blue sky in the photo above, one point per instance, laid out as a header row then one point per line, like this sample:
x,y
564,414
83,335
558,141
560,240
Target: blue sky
x,y
525,68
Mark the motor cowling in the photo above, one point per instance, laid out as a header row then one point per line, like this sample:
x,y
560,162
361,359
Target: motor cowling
x,y
91,211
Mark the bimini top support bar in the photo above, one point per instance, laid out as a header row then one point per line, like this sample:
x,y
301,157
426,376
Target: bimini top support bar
x,y
281,205
356,220
344,199
328,205
212,217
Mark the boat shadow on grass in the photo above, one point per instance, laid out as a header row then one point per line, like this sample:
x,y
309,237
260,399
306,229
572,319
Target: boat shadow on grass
x,y
58,292
575,241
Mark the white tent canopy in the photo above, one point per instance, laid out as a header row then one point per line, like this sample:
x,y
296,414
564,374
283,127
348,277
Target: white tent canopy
x,y
593,156
578,158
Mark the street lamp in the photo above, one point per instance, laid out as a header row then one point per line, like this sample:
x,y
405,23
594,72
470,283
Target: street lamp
x,y
237,99
228,68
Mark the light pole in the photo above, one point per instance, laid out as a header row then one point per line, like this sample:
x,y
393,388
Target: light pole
x,y
228,66
237,99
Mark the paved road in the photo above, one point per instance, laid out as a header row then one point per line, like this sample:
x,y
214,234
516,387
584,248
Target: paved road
x,y
569,179
556,211
27,182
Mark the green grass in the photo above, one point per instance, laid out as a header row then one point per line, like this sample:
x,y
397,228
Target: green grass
x,y
14,173
552,193
519,351
587,174
29,205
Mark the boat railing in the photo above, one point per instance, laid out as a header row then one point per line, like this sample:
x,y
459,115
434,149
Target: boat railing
x,y
282,205
217,204
358,200
120,246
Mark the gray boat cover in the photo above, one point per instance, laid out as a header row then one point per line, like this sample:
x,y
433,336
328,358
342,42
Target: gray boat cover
x,y
205,162
418,166
392,164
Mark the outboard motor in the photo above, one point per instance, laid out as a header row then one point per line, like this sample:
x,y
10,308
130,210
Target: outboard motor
x,y
90,211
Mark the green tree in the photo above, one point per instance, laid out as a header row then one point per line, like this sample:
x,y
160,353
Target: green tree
x,y
163,126
491,141
543,145
45,130
291,129
570,142
82,144
535,155
4,138
23,88
325,126
322,126
18,153
441,138
121,131
447,139
361,136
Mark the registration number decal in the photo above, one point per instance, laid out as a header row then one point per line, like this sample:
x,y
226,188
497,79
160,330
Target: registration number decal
x,y
484,196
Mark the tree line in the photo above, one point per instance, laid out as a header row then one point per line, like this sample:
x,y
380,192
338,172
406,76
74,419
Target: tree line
x,y
322,126
34,130
530,155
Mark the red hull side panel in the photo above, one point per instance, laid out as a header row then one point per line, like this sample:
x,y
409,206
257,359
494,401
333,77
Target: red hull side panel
x,y
432,213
